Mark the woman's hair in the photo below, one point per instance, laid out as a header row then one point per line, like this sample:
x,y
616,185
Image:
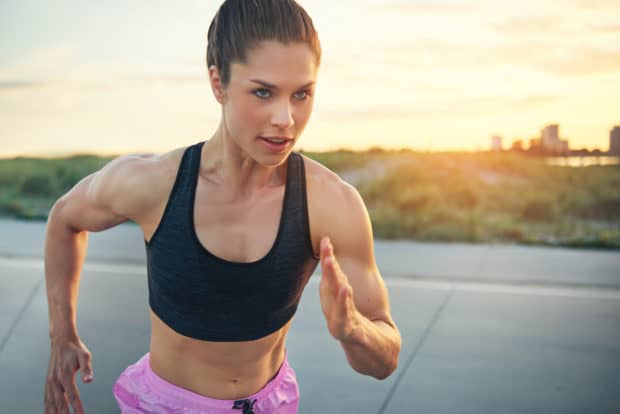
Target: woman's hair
x,y
240,25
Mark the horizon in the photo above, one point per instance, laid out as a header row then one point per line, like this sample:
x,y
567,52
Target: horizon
x,y
433,76
596,152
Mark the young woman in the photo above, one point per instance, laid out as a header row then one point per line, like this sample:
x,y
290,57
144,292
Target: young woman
x,y
233,226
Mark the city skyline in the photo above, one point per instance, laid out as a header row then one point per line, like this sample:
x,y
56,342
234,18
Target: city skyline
x,y
549,141
439,75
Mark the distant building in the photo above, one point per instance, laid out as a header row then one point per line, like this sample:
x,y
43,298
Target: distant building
x,y
550,140
496,143
614,141
550,135
517,145
535,144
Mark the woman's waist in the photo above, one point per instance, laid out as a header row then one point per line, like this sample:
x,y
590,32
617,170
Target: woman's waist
x,y
218,370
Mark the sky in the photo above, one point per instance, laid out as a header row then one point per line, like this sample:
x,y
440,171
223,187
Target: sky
x,y
115,77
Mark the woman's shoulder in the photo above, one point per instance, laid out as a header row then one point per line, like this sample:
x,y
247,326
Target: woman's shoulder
x,y
324,186
146,179
317,171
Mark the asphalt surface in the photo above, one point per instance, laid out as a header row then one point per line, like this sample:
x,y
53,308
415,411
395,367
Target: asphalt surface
x,y
486,328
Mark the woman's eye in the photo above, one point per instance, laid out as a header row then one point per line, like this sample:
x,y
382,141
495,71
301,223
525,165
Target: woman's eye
x,y
259,91
266,93
305,95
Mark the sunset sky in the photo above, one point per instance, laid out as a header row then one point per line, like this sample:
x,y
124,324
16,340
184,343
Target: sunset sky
x,y
118,76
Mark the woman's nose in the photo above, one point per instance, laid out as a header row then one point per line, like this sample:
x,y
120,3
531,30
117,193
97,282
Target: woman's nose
x,y
283,116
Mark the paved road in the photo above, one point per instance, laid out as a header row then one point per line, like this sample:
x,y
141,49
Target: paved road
x,y
503,329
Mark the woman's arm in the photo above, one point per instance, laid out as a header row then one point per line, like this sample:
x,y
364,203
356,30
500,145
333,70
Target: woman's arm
x,y
354,298
99,201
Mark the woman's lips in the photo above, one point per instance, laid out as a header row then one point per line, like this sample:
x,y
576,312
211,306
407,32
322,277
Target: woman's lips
x,y
275,146
276,137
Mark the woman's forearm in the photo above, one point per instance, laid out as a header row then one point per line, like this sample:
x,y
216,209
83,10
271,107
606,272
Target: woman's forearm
x,y
65,251
374,351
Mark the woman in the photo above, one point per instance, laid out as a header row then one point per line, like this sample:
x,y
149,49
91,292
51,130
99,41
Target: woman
x,y
234,226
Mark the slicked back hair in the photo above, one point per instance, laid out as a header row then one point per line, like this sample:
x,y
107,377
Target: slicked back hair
x,y
240,25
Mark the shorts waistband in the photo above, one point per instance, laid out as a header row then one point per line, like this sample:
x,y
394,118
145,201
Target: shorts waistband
x,y
173,392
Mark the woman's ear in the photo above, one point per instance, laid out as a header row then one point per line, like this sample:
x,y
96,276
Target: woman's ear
x,y
219,91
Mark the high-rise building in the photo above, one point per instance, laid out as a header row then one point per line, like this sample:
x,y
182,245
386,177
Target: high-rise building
x,y
549,136
550,140
614,141
496,143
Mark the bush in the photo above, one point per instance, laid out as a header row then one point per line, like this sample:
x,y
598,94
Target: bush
x,y
386,222
538,210
411,200
605,209
39,185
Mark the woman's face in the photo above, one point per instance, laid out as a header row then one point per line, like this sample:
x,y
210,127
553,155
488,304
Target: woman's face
x,y
270,96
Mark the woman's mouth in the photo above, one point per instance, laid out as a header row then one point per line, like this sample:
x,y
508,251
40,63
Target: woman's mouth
x,y
276,144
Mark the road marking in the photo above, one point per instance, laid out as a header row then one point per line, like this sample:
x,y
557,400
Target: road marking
x,y
511,288
37,264
436,284
416,350
20,314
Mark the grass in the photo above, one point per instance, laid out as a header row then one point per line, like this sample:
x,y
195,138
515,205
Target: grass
x,y
490,197
29,186
464,197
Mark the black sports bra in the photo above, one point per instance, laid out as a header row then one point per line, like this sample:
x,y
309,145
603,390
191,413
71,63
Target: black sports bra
x,y
206,297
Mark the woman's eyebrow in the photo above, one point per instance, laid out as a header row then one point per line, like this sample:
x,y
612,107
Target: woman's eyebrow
x,y
269,85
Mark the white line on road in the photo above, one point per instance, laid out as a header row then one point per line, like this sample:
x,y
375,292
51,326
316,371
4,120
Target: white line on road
x,y
520,289
37,264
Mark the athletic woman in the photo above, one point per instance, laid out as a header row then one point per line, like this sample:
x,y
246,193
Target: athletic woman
x,y
234,227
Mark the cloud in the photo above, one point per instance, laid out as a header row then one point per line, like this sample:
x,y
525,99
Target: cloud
x,y
533,100
16,84
430,7
559,59
597,4
146,81
546,55
558,26
64,65
123,83
449,105
40,64
118,81
583,61
530,24
609,28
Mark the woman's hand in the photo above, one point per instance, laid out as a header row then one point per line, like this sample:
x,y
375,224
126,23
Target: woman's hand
x,y
66,357
343,318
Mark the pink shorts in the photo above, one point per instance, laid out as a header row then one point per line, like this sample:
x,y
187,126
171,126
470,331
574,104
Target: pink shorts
x,y
139,390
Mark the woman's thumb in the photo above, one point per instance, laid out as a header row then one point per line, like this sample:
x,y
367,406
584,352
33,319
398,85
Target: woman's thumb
x,y
86,369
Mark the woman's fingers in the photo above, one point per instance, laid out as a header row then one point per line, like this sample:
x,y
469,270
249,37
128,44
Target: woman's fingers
x,y
60,400
67,381
73,395
49,402
61,391
86,368
330,267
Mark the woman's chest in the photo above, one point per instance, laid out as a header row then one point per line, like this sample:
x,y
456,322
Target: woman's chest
x,y
242,231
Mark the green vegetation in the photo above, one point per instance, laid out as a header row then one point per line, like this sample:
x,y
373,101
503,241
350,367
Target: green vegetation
x,y
487,197
481,197
29,186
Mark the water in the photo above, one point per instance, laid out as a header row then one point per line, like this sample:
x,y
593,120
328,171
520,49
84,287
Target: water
x,y
583,161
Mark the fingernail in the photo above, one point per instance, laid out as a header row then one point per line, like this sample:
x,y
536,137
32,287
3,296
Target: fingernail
x,y
88,378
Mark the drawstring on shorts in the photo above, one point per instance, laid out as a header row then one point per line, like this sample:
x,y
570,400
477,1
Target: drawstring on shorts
x,y
246,405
